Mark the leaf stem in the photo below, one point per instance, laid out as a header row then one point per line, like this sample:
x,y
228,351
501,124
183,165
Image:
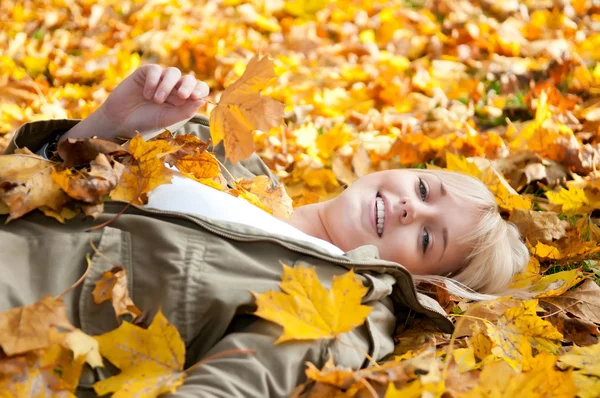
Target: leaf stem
x,y
80,280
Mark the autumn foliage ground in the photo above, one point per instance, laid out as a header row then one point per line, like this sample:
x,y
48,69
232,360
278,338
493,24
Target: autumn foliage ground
x,y
506,91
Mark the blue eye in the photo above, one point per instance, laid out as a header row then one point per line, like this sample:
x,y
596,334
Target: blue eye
x,y
422,190
425,240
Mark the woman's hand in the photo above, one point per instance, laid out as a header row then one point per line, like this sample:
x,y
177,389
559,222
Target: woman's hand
x,y
148,100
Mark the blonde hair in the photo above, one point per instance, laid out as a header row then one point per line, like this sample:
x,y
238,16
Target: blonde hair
x,y
498,252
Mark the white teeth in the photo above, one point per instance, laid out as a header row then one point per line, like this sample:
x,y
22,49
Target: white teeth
x,y
380,208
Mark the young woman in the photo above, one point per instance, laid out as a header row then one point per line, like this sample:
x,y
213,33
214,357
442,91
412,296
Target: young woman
x,y
197,253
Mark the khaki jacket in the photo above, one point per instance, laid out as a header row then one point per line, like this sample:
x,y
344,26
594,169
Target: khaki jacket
x,y
200,273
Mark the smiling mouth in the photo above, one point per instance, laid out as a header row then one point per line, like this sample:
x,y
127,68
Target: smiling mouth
x,y
379,214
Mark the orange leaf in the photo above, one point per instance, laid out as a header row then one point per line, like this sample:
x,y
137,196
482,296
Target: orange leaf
x,y
242,110
113,286
198,166
28,328
274,198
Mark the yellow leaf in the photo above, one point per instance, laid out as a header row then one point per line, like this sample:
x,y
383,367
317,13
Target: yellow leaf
x,y
113,286
28,328
84,346
274,198
39,376
460,164
497,379
307,311
304,8
240,192
556,284
546,251
26,184
412,390
510,201
586,359
519,327
242,110
588,387
571,199
147,173
199,166
464,358
151,360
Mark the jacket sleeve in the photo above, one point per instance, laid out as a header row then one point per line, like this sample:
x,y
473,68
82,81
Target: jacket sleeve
x,y
34,135
275,370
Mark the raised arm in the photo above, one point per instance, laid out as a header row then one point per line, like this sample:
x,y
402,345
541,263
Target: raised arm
x,y
149,99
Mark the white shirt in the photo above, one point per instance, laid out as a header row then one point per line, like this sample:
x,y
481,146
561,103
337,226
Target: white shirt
x,y
185,195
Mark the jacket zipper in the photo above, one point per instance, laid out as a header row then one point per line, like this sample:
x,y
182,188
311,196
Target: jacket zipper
x,y
241,238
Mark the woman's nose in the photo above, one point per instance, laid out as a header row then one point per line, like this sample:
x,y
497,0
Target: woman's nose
x,y
406,211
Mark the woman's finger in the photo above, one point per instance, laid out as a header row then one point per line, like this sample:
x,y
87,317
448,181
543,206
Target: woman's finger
x,y
186,86
170,78
200,91
174,99
153,73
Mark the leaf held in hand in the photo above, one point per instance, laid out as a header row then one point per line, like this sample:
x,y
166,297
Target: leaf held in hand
x,y
151,360
75,152
242,110
308,311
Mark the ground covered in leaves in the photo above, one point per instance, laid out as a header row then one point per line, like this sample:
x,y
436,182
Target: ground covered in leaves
x,y
491,88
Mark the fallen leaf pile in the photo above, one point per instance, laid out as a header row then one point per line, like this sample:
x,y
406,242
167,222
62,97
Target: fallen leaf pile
x,y
506,91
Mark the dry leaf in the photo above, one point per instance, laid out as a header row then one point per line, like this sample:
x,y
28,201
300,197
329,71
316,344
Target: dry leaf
x,y
199,166
151,360
113,286
583,302
242,110
75,152
539,226
585,359
26,184
90,186
28,328
83,346
307,311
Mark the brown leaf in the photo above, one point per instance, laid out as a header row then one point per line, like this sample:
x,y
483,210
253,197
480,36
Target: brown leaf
x,y
538,226
113,286
574,330
90,186
583,302
524,168
199,166
28,328
242,110
75,151
26,184
93,211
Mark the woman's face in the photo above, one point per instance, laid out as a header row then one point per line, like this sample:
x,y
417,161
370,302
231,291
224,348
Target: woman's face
x,y
408,215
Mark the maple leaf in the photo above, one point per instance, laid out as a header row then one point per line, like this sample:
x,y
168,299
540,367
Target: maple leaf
x,y
497,379
199,166
52,373
519,327
75,152
151,360
26,184
148,173
242,110
572,199
188,144
240,192
90,186
307,311
28,328
412,390
273,197
546,251
113,286
543,226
